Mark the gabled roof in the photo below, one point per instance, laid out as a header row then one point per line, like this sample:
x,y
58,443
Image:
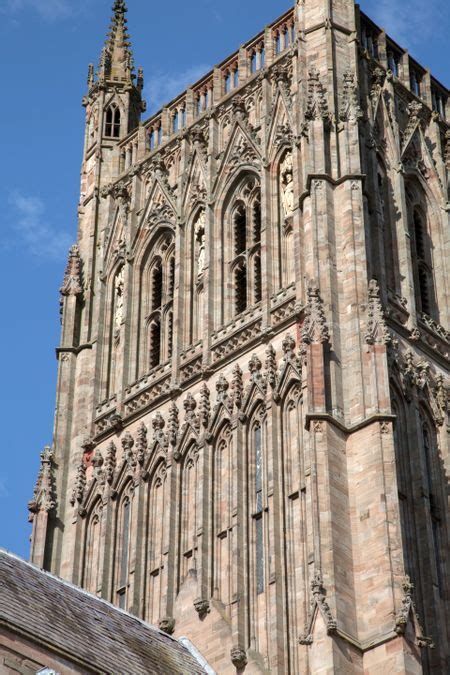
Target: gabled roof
x,y
87,631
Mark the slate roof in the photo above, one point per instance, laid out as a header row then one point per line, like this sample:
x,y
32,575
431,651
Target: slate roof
x,y
91,633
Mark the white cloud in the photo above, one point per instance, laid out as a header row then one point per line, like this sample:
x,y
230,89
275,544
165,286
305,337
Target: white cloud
x,y
29,227
409,24
51,10
162,87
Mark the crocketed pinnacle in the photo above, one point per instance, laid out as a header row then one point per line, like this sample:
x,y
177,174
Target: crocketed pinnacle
x,y
116,62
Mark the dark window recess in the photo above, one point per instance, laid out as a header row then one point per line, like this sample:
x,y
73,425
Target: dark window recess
x,y
240,286
240,230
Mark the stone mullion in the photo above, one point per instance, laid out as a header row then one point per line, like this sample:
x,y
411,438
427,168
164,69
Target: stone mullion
x,y
278,608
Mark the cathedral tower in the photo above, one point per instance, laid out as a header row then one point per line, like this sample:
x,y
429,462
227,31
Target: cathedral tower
x,y
251,435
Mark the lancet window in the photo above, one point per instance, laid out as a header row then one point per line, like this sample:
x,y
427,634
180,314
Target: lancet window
x,y
297,492
222,500
258,526
123,547
431,459
244,214
189,513
92,550
158,530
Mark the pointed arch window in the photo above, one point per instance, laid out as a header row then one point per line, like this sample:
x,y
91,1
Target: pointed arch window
x,y
421,255
158,283
92,552
112,121
123,540
246,228
258,515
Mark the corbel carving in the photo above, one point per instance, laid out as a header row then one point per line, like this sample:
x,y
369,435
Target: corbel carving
x,y
318,604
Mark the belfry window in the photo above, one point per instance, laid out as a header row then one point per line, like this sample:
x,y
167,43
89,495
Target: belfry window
x,y
246,247
112,122
157,305
421,263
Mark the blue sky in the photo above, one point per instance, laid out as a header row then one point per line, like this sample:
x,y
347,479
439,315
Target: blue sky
x,y
45,47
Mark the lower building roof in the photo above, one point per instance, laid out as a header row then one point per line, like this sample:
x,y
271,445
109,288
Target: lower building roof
x,y
83,629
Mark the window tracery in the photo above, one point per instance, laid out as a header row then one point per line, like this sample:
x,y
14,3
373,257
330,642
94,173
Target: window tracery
x,y
158,287
244,213
112,121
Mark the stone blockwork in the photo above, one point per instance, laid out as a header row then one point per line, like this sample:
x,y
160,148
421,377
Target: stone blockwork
x,y
251,437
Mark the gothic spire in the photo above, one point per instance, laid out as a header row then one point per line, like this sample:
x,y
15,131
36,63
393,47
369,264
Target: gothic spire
x,y
116,61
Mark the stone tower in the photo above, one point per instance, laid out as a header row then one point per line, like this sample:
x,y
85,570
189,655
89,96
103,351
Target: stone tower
x,y
251,434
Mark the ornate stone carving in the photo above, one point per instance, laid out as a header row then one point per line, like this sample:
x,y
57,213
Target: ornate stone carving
x,y
200,239
44,496
173,424
408,609
316,105
255,368
80,485
318,604
167,625
238,657
271,367
350,108
377,331
222,387
72,284
287,185
315,329
202,608
158,425
141,445
119,292
414,109
128,450
97,464
237,387
191,418
378,79
205,405
110,462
